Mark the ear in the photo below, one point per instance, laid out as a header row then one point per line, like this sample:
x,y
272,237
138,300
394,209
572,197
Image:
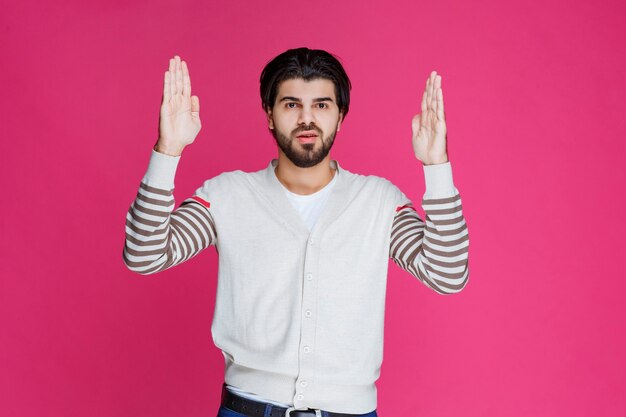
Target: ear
x,y
339,122
270,121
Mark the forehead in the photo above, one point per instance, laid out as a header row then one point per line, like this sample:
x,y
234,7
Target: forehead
x,y
299,88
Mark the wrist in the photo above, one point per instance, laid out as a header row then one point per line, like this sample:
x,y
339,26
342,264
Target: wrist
x,y
435,163
439,183
168,150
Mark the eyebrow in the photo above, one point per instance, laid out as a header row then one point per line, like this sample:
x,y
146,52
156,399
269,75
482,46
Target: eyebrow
x,y
315,100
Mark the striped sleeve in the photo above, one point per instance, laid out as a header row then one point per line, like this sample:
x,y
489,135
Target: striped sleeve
x,y
157,236
434,251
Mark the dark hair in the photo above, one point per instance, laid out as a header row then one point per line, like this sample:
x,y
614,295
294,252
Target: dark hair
x,y
308,64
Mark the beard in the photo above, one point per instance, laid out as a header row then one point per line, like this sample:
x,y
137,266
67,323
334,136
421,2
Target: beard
x,y
304,155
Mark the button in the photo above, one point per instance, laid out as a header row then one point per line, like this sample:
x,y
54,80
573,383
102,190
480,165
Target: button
x,y
311,241
306,349
309,276
308,313
303,383
300,396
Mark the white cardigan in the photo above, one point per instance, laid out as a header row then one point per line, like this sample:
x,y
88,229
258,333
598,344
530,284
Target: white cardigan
x,y
299,315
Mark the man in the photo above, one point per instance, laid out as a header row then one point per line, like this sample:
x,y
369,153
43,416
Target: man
x,y
303,244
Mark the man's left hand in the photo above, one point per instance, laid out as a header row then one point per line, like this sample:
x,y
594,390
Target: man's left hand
x,y
429,127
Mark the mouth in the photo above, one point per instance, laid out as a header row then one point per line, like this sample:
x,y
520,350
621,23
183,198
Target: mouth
x,y
307,137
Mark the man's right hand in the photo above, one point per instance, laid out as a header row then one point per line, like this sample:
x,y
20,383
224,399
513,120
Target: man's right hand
x,y
179,120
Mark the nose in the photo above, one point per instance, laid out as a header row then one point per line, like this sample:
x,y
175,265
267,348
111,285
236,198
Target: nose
x,y
305,116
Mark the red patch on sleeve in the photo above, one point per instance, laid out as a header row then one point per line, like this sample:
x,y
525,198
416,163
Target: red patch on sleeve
x,y
405,206
202,201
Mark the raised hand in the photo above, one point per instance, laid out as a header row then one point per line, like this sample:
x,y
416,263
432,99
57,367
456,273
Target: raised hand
x,y
429,127
179,120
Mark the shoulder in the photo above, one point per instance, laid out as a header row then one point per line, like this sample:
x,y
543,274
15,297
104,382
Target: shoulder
x,y
393,192
375,181
379,186
228,180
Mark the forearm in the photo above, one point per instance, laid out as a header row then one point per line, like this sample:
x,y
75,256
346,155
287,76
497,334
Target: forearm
x,y
158,237
436,250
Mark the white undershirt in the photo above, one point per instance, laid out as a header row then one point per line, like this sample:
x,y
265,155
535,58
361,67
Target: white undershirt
x,y
310,207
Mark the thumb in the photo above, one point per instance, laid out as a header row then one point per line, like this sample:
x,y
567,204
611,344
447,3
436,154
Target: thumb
x,y
415,123
195,104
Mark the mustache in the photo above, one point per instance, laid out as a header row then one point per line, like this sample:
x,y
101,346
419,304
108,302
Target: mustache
x,y
307,129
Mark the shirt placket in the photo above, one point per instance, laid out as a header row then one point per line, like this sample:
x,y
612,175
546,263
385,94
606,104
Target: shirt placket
x,y
307,319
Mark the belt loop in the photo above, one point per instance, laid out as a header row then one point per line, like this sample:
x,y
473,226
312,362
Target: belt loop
x,y
318,413
268,410
223,393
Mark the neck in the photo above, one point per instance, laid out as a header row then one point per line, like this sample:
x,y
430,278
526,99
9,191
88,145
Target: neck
x,y
303,180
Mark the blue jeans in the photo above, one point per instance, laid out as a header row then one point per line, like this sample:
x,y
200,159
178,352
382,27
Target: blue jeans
x,y
227,412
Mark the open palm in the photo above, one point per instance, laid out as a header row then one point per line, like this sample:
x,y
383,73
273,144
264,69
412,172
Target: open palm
x,y
429,127
179,121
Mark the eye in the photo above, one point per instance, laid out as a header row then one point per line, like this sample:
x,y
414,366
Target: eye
x,y
323,105
289,105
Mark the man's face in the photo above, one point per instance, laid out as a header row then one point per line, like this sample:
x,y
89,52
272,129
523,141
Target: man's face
x,y
305,119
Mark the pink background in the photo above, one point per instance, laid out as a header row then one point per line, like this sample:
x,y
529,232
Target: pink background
x,y
534,95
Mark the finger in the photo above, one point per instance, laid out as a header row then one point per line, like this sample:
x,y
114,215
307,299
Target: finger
x,y
186,81
440,113
172,75
424,102
435,87
428,93
166,87
432,97
179,76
